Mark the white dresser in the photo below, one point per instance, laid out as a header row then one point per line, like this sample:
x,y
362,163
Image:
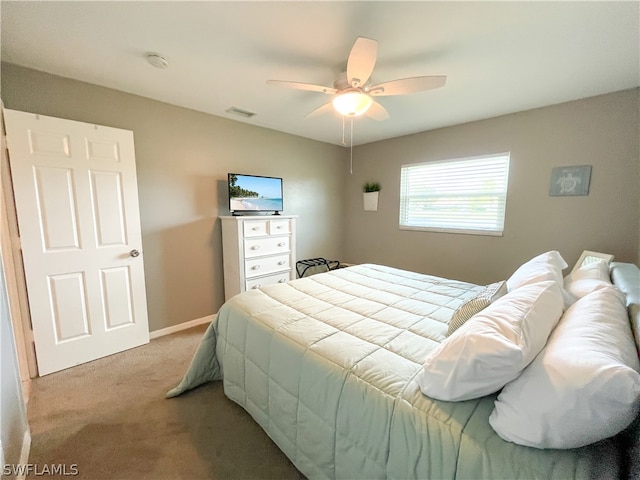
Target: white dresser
x,y
257,251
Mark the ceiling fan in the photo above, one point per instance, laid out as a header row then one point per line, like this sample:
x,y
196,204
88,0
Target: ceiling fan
x,y
353,92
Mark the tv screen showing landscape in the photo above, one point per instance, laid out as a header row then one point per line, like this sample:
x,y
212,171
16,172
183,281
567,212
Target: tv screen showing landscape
x,y
252,193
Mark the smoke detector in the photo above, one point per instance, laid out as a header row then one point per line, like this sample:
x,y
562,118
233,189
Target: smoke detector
x,y
157,61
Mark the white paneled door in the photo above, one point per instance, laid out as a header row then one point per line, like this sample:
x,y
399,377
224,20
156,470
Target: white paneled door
x,y
77,203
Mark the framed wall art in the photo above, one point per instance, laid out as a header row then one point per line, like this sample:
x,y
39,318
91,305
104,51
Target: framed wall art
x,y
569,181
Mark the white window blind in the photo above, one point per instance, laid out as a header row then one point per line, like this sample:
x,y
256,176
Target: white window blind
x,y
462,196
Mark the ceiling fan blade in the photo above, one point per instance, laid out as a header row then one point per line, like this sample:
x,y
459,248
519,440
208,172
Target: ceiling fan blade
x,y
327,107
361,61
408,85
303,86
377,112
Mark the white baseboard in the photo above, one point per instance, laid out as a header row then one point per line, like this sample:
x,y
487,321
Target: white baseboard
x,y
24,452
182,326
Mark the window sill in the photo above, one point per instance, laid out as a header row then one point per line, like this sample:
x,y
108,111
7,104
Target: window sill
x,y
489,233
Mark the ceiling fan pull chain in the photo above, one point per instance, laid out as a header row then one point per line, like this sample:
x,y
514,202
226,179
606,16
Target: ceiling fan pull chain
x,y
351,152
344,144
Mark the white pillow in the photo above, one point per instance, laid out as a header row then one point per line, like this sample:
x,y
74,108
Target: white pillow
x,y
583,387
586,279
494,346
546,266
468,309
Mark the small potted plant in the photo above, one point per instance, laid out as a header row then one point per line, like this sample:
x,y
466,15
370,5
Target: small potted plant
x,y
370,192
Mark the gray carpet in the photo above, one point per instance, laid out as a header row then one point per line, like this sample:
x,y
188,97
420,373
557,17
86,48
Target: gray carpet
x,y
110,418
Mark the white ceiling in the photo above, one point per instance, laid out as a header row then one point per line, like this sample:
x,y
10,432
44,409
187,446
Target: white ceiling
x,y
500,57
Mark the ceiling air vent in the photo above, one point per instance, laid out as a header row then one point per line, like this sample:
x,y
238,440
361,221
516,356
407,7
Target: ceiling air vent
x,y
240,112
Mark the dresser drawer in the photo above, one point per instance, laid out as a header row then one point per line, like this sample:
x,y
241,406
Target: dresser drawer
x,y
258,247
255,228
279,227
268,280
265,265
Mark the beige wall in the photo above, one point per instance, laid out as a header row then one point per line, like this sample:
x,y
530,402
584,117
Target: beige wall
x,y
183,157
601,131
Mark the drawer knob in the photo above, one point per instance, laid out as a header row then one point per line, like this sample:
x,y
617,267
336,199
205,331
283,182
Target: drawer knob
x,y
281,244
255,287
281,262
255,267
282,280
255,228
279,227
255,247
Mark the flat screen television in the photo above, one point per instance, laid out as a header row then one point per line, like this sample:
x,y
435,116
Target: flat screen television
x,y
253,194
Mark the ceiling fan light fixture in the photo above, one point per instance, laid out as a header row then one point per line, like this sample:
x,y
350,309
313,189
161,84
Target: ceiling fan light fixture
x,y
352,104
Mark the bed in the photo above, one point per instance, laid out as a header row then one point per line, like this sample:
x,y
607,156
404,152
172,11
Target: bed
x,y
328,366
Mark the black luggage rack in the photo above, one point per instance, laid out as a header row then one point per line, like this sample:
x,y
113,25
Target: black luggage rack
x,y
303,265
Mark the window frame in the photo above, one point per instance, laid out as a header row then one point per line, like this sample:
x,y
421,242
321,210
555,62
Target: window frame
x,y
461,230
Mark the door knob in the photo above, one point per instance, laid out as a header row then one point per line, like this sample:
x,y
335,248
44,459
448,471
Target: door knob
x,y
134,253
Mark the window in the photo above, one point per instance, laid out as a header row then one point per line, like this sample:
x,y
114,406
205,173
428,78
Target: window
x,y
460,196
